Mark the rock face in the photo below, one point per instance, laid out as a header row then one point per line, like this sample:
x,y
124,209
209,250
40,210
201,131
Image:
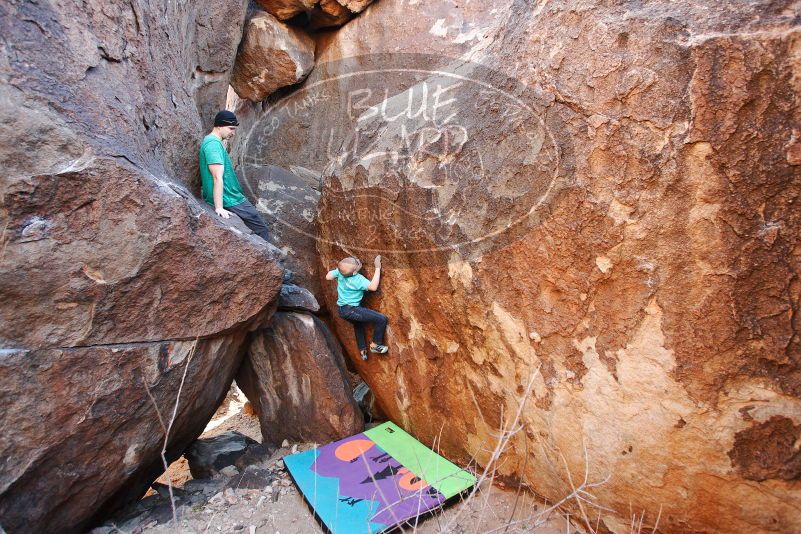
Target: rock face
x,y
287,199
116,284
101,254
329,13
294,298
321,13
294,375
286,9
611,244
272,55
281,160
135,81
355,6
81,435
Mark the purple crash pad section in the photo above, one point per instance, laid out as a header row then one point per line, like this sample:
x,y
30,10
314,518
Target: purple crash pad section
x,y
355,487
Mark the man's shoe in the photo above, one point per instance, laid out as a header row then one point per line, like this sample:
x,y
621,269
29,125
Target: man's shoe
x,y
364,354
379,349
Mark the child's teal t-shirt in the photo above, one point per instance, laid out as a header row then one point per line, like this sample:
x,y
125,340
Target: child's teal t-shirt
x,y
350,289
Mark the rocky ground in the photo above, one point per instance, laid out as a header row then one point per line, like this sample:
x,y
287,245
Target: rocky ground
x,y
263,499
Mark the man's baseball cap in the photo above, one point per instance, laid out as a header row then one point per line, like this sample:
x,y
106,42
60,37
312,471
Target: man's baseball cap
x,y
225,118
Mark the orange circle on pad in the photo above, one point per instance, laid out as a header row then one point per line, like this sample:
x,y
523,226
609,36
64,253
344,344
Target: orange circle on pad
x,y
410,481
353,449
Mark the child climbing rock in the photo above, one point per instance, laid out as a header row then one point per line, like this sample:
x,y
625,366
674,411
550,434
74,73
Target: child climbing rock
x,y
350,290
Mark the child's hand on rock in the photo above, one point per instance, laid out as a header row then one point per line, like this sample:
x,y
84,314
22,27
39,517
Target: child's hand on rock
x,y
378,262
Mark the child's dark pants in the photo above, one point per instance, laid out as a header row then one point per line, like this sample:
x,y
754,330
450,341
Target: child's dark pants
x,y
359,316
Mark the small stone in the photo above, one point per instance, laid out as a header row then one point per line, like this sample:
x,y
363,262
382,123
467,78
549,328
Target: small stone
x,y
229,471
297,298
256,454
285,443
252,478
210,456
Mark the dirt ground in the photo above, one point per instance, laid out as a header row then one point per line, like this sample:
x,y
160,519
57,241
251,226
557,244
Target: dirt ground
x,y
281,510
209,507
254,511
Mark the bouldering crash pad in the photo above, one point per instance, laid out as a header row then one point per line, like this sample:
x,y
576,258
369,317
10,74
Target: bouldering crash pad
x,y
375,480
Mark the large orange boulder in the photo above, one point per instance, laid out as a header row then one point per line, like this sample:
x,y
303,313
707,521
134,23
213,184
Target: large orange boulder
x,y
320,13
272,55
588,215
286,9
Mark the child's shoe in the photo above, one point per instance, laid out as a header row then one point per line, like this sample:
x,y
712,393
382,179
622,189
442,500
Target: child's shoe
x,y
364,354
379,349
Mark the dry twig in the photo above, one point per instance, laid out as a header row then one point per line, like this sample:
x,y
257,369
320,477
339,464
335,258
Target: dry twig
x,y
168,426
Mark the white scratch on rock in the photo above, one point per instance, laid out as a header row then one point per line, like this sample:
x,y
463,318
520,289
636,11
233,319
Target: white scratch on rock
x,y
269,186
603,263
439,29
460,270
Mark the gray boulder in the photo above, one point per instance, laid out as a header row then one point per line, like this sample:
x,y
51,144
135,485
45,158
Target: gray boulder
x,y
296,298
208,456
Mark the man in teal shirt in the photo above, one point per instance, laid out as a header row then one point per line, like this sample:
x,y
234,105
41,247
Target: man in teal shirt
x,y
220,187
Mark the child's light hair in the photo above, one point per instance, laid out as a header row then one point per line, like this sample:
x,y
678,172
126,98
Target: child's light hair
x,y
349,265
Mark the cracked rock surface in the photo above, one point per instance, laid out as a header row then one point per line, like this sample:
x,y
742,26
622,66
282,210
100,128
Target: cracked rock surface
x,y
272,55
117,284
295,377
319,13
606,230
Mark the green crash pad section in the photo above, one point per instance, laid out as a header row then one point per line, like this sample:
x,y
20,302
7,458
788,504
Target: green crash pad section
x,y
446,477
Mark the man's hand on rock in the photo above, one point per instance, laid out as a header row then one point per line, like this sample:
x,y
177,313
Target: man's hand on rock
x,y
222,212
377,262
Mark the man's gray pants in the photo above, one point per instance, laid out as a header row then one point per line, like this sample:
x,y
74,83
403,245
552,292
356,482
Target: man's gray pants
x,y
251,218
